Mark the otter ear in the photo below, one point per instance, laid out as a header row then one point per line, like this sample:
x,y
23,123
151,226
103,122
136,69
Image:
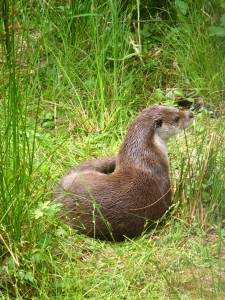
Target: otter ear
x,y
158,123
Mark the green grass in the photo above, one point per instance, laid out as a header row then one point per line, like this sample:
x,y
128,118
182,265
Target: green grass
x,y
73,76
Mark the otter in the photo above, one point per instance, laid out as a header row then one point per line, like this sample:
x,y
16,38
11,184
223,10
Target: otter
x,y
112,198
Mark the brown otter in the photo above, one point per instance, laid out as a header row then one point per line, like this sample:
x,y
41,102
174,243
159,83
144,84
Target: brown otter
x,y
137,192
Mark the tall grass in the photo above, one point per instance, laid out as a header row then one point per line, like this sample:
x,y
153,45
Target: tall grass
x,y
17,151
201,174
199,57
73,75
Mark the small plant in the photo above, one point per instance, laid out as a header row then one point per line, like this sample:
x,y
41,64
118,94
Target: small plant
x,y
46,209
218,31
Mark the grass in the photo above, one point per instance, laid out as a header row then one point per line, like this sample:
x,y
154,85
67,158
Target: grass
x,y
72,79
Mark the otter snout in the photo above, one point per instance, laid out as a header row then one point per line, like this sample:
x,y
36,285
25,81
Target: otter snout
x,y
190,114
188,119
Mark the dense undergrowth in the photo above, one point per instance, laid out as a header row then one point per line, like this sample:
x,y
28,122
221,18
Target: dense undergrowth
x,y
73,75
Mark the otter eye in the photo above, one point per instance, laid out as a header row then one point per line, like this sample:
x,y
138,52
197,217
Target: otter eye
x,y
177,119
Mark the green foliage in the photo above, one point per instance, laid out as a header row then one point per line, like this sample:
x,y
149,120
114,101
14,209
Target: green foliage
x,y
218,30
73,75
46,209
202,173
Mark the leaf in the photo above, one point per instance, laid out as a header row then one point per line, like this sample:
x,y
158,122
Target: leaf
x,y
216,31
191,99
46,205
222,20
179,93
45,240
49,116
159,94
222,286
182,7
29,276
11,263
61,232
170,95
38,214
48,124
206,197
21,274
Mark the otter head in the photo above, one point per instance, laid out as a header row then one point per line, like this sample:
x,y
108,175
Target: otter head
x,y
170,121
154,125
157,121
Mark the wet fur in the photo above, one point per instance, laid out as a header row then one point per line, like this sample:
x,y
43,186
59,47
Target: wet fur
x,y
137,192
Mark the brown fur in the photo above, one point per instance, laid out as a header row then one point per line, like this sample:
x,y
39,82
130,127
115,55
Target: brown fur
x,y
118,205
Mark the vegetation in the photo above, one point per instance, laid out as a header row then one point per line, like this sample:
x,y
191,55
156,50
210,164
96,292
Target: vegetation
x,y
73,75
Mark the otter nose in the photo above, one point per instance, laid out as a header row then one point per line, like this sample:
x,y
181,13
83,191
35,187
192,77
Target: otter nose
x,y
190,114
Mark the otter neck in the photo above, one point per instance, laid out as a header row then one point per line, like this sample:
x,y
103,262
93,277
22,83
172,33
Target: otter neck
x,y
143,149
162,145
